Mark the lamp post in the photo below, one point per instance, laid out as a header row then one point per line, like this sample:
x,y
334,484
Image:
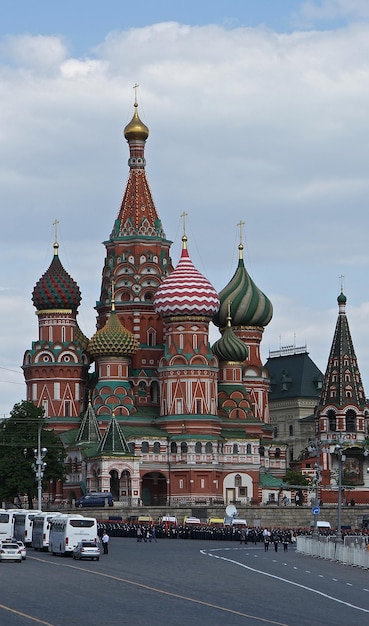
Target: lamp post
x,y
338,448
317,479
39,465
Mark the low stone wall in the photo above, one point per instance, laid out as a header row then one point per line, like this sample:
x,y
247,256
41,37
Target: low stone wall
x,y
265,516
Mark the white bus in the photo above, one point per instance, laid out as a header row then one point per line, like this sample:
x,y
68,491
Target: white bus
x,y
67,530
22,530
6,524
41,529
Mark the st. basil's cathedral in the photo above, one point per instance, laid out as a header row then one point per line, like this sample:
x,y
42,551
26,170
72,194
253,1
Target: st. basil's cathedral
x,y
147,408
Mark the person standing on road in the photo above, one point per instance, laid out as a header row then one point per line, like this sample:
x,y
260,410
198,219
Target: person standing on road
x,y
105,541
139,534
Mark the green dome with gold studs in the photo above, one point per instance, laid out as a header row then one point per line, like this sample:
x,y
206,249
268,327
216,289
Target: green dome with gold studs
x,y
113,340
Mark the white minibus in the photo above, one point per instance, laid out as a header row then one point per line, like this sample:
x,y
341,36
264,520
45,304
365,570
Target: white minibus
x,y
6,524
68,530
41,529
22,530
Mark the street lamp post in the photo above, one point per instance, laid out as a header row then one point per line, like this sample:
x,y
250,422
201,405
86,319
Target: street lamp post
x,y
317,479
39,465
339,450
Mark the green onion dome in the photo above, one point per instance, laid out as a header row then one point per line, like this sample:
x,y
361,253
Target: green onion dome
x,y
342,298
113,340
56,289
250,306
230,347
81,338
136,129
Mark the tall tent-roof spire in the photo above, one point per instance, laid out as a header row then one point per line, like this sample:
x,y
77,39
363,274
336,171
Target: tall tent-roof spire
x,y
342,380
137,216
113,440
89,429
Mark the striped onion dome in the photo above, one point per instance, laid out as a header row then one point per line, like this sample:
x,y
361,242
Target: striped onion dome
x,y
250,306
56,289
186,291
113,339
230,347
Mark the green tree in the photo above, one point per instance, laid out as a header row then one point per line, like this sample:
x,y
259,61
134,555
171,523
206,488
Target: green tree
x,y
18,440
296,478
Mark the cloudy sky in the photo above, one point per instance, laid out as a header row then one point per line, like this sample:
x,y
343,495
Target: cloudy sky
x,y
258,111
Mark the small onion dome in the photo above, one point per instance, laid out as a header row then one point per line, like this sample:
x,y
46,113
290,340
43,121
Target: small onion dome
x,y
136,129
250,306
186,291
230,347
113,340
342,298
56,289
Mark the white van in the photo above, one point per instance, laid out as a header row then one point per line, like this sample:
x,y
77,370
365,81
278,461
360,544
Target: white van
x,y
320,524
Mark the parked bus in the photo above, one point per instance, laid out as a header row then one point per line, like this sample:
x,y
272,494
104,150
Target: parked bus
x,y
22,530
41,530
67,530
6,524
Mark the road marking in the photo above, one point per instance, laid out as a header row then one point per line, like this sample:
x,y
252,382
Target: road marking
x,y
290,582
33,619
163,592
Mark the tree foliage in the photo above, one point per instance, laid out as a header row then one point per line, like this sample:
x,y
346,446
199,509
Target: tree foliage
x,y
294,477
18,440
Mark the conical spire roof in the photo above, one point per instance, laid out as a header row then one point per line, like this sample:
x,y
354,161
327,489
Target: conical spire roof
x,y
56,289
186,291
342,379
250,306
113,440
89,429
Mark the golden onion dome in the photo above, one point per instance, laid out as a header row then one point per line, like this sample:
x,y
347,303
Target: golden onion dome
x,y
136,129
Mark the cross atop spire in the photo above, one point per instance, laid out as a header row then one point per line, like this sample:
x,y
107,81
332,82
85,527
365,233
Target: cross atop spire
x,y
240,245
56,245
135,87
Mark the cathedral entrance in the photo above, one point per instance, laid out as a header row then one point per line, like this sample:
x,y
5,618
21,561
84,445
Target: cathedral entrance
x,y
154,489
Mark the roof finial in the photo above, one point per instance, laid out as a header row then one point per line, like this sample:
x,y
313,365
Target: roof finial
x,y
184,236
113,295
135,87
229,317
341,280
56,245
240,245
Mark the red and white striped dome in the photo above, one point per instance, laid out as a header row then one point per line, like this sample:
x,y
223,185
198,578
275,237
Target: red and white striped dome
x,y
186,291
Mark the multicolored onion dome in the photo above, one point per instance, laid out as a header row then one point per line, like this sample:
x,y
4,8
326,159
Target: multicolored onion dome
x,y
136,129
186,291
56,289
250,306
80,337
113,340
230,347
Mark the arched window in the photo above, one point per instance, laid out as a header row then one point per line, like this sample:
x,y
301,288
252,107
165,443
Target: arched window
x,y
145,447
248,448
142,388
332,420
184,447
131,447
290,430
208,448
275,432
237,481
156,447
262,451
173,447
277,453
235,448
350,421
198,447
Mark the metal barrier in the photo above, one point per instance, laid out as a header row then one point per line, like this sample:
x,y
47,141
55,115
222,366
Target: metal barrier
x,y
352,551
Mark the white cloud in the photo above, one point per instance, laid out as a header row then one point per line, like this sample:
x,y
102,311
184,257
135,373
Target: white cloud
x,y
312,12
244,124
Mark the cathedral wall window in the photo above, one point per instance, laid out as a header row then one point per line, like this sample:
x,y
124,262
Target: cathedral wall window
x,y
156,447
198,406
198,447
184,447
350,421
63,334
181,341
181,483
179,406
332,420
145,447
209,447
194,341
235,448
248,448
56,391
202,483
151,337
45,406
67,408
50,333
290,430
277,453
34,391
173,447
237,480
77,392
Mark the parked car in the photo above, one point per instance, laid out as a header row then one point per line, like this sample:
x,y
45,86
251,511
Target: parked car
x,y
10,552
86,550
23,550
95,499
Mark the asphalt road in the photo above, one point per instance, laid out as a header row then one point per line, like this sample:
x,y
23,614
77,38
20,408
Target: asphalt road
x,y
182,582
